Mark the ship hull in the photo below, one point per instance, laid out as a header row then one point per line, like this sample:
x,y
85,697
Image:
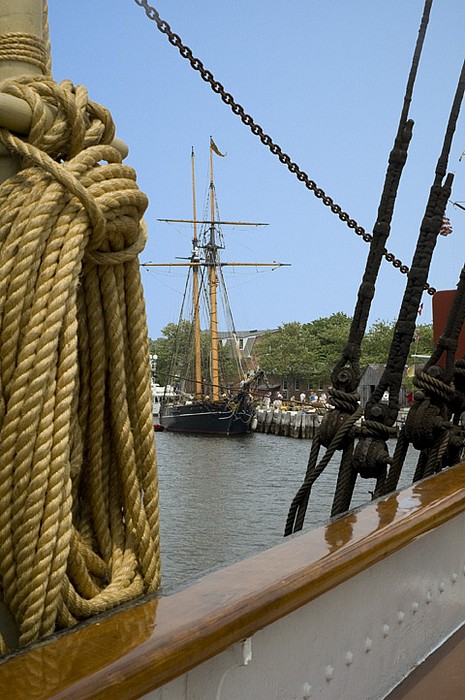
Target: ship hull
x,y
356,608
207,418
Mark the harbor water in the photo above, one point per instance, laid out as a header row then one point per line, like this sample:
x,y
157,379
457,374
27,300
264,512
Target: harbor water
x,y
223,499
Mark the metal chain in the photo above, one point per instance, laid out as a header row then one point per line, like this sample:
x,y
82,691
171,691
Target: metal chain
x,y
257,130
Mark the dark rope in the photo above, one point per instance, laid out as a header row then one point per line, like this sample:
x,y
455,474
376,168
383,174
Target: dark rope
x,y
425,421
398,460
346,373
345,485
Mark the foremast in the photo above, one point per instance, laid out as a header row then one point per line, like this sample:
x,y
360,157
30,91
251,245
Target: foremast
x,y
212,261
195,260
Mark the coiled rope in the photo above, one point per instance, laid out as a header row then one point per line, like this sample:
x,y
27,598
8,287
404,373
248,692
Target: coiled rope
x,y
78,475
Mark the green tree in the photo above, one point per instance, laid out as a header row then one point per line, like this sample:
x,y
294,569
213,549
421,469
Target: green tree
x,y
176,358
331,334
175,340
422,343
376,343
286,352
308,351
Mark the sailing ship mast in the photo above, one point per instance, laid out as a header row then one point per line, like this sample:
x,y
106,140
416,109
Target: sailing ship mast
x,y
213,263
211,252
195,259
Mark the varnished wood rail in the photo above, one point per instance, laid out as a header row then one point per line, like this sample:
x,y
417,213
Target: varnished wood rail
x,y
142,646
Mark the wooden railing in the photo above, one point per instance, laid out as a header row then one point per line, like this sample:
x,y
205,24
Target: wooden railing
x,y
140,647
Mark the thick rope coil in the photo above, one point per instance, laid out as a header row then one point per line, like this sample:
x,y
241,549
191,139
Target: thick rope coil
x,y
78,479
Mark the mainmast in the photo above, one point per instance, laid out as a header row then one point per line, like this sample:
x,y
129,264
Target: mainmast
x,y
195,291
213,282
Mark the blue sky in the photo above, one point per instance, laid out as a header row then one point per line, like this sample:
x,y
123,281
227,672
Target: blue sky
x,y
326,81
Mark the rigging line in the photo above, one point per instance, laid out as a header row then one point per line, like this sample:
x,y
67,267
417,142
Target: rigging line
x,y
429,231
382,227
256,129
346,373
175,358
457,204
230,323
404,329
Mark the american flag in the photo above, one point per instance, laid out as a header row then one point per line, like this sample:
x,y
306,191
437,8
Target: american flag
x,y
446,227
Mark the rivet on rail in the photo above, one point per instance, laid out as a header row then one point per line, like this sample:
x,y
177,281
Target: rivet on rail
x,y
329,672
306,691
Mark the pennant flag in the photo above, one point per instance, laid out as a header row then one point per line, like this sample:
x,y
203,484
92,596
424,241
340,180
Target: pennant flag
x,y
446,227
420,309
215,149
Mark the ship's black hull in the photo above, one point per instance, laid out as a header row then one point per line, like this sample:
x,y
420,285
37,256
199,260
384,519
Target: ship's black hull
x,y
207,418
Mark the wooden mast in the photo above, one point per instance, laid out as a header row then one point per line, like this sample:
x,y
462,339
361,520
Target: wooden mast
x,y
195,291
211,261
22,17
213,281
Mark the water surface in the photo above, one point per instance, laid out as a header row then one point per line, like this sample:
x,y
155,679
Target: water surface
x,y
222,499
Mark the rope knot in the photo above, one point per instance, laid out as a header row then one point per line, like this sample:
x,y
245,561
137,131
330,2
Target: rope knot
x,y
345,401
346,406
370,458
424,422
64,120
74,151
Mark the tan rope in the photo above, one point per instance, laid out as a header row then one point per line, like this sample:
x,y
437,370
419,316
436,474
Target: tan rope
x,y
17,46
78,478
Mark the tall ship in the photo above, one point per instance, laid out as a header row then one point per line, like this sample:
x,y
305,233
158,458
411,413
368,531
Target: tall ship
x,y
213,391
367,606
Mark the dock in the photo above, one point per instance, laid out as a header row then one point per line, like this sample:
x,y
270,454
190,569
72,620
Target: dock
x,y
299,423
289,423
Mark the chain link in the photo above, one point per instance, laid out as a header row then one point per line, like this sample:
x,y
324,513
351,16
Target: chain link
x,y
267,141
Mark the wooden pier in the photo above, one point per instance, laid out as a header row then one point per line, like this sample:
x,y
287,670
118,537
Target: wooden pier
x,y
292,423
299,423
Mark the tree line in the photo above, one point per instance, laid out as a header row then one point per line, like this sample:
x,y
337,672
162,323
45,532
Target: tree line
x,y
308,351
